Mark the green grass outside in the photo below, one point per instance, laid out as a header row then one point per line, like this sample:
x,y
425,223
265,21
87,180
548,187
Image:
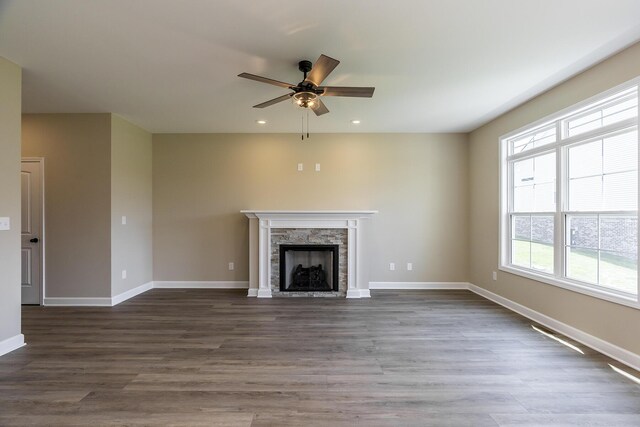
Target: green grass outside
x,y
615,272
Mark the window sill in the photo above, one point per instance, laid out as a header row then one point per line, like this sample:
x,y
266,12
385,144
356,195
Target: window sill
x,y
586,290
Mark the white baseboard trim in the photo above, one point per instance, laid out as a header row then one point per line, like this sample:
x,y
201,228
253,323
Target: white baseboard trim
x,y
201,285
419,285
253,292
10,344
599,345
77,302
358,293
131,293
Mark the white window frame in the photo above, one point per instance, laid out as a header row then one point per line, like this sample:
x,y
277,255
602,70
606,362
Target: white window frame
x,y
560,148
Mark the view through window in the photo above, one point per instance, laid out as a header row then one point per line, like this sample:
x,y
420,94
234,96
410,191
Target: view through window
x,y
570,196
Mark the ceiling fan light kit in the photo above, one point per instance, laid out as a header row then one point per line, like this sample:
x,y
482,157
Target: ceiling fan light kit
x,y
308,92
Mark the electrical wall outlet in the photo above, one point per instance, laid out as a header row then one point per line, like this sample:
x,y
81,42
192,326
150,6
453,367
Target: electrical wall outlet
x,y
409,266
124,274
5,223
392,266
300,167
232,266
495,275
317,167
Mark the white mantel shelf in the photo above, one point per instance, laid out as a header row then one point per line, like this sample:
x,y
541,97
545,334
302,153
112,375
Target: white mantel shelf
x,y
264,214
261,222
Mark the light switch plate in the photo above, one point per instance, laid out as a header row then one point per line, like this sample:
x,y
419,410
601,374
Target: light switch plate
x,y
392,266
409,266
232,266
124,274
317,167
5,223
124,220
495,275
300,167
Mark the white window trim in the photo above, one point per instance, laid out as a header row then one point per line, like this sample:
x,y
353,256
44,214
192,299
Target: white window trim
x,y
504,243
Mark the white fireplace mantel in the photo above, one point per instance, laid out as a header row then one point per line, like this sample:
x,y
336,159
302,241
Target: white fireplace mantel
x,y
261,222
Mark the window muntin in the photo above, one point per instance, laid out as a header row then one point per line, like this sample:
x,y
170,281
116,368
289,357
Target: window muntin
x,y
581,230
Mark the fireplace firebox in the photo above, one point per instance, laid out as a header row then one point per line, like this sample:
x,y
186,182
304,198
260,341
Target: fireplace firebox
x,y
309,268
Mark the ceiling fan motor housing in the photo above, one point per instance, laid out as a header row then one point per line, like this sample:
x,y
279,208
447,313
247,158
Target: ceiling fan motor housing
x,y
305,66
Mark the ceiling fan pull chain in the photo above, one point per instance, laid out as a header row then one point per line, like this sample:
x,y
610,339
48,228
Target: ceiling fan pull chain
x,y
307,123
302,130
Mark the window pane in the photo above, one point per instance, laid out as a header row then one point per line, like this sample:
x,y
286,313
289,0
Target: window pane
x,y
544,197
621,111
582,265
585,194
619,234
614,109
520,243
534,184
521,253
523,199
603,250
621,153
542,228
621,191
537,138
523,172
585,160
582,231
521,227
585,123
619,271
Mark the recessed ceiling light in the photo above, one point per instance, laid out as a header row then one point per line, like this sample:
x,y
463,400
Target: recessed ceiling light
x,y
261,122
355,122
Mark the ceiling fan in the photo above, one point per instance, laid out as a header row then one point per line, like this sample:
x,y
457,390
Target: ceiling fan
x,y
307,93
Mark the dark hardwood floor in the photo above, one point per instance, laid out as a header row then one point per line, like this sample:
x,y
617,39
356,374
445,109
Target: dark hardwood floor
x,y
218,358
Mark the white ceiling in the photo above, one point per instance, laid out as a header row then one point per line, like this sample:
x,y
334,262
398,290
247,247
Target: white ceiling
x,y
437,65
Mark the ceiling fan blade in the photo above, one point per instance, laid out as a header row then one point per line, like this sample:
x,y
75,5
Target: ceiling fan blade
x,y
274,101
265,80
321,69
361,92
319,108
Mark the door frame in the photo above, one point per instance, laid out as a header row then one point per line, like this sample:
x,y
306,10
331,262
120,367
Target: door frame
x,y
41,247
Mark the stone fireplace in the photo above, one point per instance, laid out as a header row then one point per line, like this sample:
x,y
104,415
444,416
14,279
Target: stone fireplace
x,y
307,253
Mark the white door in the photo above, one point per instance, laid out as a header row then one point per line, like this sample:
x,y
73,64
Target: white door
x,y
31,231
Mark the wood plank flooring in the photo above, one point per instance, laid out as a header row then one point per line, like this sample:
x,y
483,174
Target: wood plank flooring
x,y
218,358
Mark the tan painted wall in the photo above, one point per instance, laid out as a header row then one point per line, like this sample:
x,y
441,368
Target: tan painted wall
x,y
612,322
76,148
131,244
418,182
10,109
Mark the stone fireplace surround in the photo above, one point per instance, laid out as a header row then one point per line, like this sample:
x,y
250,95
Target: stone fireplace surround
x,y
315,227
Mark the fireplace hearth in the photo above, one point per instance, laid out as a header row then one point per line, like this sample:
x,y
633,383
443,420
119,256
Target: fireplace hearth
x,y
309,268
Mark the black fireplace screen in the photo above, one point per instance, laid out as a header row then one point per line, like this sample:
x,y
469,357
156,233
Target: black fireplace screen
x,y
308,268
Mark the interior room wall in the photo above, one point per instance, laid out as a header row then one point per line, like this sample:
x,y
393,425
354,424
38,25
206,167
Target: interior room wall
x,y
10,110
76,149
131,243
418,182
605,320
